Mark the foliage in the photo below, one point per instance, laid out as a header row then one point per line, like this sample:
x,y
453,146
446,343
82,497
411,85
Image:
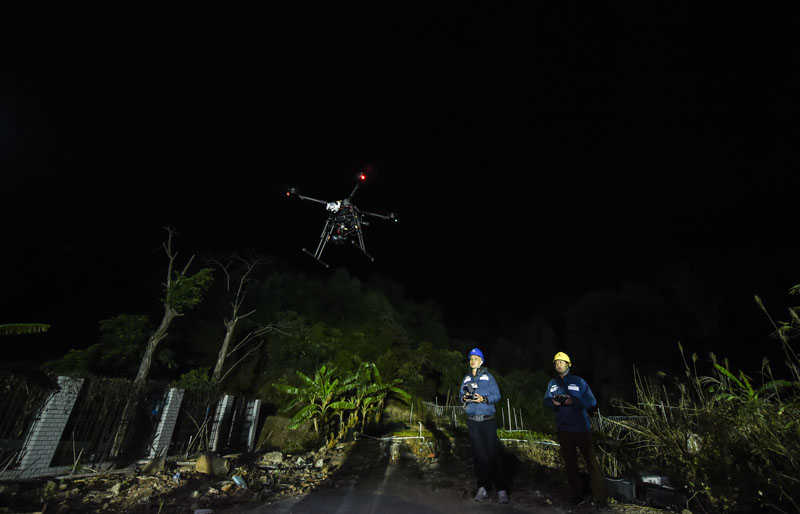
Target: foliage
x,y
186,291
528,435
74,362
334,319
370,392
23,328
117,352
425,371
319,394
732,443
198,379
531,348
787,331
338,403
122,338
524,391
125,329
302,345
114,355
610,331
343,321
543,454
424,320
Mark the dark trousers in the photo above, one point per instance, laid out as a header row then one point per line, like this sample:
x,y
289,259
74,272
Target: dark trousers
x,y
570,443
486,454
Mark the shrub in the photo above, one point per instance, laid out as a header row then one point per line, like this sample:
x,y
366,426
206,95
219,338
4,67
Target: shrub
x,y
734,445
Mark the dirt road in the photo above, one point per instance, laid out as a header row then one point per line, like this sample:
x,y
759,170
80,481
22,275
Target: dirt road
x,y
371,484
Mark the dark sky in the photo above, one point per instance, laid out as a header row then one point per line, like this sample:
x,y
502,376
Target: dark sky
x,y
531,152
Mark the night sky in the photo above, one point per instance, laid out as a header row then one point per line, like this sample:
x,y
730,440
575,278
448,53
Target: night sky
x,y
532,153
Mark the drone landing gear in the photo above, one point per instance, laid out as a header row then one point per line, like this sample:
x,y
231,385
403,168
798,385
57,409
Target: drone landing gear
x,y
317,258
323,240
361,247
358,245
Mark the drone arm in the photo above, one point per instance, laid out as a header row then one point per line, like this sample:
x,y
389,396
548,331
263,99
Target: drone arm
x,y
353,192
390,216
312,199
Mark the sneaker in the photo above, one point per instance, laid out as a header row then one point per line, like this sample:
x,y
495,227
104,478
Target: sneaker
x,y
482,495
502,496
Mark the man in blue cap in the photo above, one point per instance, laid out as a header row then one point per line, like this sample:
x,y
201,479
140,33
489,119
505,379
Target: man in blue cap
x,y
479,393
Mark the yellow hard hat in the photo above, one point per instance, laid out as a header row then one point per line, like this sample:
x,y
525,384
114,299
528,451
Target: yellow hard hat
x,y
561,356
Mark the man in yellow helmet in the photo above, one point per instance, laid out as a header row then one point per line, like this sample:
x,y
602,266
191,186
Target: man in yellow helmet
x,y
569,396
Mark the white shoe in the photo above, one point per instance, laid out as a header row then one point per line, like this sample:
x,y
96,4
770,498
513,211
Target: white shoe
x,y
482,495
502,496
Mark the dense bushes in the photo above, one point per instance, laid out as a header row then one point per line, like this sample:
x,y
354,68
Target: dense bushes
x,y
731,442
734,444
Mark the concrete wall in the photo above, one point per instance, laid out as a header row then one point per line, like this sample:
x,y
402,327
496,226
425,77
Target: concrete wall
x,y
47,428
169,416
223,408
251,423
45,432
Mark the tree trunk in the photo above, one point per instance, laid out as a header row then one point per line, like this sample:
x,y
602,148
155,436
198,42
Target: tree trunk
x,y
155,338
123,430
223,352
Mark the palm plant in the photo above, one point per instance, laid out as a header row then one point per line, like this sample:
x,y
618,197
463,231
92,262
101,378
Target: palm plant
x,y
321,397
23,328
371,392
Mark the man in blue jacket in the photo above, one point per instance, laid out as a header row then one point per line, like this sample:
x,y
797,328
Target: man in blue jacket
x,y
569,396
479,393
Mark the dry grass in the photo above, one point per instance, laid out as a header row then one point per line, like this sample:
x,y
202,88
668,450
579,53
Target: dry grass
x,y
735,446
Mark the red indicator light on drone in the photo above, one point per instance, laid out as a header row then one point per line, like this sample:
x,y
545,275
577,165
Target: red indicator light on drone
x,y
362,177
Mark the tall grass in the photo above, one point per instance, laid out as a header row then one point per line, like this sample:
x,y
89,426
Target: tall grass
x,y
732,443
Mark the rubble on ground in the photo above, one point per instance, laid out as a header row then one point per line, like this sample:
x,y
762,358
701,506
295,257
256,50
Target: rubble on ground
x,y
239,482
210,481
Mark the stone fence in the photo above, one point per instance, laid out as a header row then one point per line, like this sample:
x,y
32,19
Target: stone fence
x,y
225,422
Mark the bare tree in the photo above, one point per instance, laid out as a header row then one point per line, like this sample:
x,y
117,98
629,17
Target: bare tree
x,y
229,345
181,293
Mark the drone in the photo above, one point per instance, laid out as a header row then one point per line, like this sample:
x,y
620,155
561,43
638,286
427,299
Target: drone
x,y
345,221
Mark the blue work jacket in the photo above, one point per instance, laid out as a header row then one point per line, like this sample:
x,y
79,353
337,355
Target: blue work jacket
x,y
570,418
487,387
